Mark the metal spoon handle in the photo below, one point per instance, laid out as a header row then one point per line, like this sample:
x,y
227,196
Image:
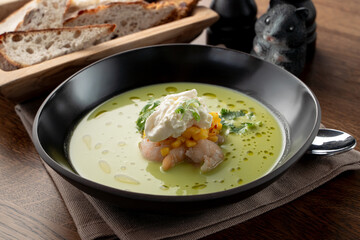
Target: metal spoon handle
x,y
331,142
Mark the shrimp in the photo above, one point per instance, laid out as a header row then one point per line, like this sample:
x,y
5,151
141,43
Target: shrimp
x,y
207,152
175,156
220,140
151,150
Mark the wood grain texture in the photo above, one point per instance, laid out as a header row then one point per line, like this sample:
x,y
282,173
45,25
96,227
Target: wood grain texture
x,y
25,83
25,176
330,211
25,225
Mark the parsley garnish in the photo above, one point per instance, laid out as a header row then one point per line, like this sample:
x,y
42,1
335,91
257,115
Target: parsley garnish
x,y
145,112
190,105
231,115
228,117
242,128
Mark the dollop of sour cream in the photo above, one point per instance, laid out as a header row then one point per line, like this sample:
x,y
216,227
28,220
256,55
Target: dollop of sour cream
x,y
165,122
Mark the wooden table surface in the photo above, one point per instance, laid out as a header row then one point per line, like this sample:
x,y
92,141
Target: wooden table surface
x,y
331,211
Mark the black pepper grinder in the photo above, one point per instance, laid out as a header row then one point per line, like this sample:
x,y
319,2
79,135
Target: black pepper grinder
x,y
235,28
310,22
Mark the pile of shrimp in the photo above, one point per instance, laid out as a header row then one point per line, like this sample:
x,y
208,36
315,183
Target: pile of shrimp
x,y
196,145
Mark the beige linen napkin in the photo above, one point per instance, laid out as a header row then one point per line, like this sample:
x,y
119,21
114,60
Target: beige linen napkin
x,y
94,218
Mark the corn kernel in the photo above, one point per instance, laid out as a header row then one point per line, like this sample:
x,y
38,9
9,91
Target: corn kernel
x,y
196,137
182,139
203,134
176,143
213,138
164,151
214,114
190,143
186,134
194,130
190,132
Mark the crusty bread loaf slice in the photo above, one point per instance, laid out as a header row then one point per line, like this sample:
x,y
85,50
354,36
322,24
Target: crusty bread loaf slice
x,y
25,48
75,6
11,22
46,14
184,8
129,17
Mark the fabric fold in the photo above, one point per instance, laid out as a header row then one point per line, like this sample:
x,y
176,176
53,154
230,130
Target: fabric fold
x,y
97,219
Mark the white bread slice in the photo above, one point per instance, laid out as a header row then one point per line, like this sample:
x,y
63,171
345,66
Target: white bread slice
x,y
46,14
76,5
11,22
129,17
21,49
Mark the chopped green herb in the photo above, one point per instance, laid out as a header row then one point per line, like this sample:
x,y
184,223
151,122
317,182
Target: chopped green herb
x,y
145,112
242,128
231,115
228,117
190,105
250,115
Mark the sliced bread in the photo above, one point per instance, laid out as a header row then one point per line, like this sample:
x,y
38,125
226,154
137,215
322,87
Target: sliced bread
x,y
11,22
184,8
129,17
75,6
24,48
46,14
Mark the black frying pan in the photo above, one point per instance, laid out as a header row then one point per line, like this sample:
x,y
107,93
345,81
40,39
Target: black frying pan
x,y
285,94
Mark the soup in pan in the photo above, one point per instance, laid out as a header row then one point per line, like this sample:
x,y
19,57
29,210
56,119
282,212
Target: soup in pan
x,y
177,139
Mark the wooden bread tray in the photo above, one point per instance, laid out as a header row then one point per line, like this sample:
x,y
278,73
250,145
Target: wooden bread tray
x,y
25,83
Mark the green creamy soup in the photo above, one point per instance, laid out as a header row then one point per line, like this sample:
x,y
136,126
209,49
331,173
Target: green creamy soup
x,y
104,145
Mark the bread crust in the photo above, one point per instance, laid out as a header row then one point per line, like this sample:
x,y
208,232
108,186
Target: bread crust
x,y
145,5
11,22
5,35
44,19
8,64
129,21
183,7
145,15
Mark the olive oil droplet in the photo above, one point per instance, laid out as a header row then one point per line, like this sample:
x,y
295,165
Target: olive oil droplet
x,y
209,95
230,105
199,186
171,89
164,187
99,113
126,179
135,99
87,140
104,166
105,152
